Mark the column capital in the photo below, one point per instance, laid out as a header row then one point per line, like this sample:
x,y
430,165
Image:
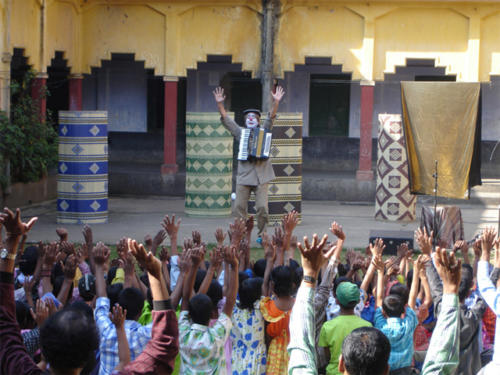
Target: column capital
x,y
366,82
76,76
41,75
6,57
170,79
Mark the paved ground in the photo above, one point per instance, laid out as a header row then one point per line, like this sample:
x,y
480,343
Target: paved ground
x,y
136,216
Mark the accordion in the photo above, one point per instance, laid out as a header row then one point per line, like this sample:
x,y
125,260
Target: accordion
x,y
255,144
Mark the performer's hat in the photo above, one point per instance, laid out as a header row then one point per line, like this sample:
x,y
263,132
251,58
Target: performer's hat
x,y
252,110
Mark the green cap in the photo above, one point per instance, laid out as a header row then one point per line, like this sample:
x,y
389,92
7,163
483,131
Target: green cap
x,y
347,292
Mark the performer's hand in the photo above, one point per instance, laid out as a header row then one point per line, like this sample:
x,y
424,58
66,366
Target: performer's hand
x,y
219,95
277,95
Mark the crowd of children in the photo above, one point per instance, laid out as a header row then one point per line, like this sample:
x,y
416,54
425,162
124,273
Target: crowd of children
x,y
70,308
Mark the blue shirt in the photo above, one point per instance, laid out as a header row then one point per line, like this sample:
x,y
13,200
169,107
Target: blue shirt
x,y
137,337
400,334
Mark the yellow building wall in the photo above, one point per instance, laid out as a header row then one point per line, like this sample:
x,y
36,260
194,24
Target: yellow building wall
x,y
25,30
62,33
111,28
220,30
441,34
320,31
490,47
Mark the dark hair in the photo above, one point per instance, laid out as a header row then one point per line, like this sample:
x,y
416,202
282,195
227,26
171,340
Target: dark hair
x,y
214,292
200,309
282,277
28,260
113,292
250,291
393,305
402,291
466,282
83,307
68,339
343,269
200,276
259,267
242,276
366,351
131,299
87,281
23,315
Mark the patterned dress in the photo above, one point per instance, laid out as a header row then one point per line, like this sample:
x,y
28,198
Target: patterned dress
x,y
248,356
277,329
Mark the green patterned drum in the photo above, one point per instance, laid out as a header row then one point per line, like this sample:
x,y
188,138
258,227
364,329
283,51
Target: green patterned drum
x,y
209,165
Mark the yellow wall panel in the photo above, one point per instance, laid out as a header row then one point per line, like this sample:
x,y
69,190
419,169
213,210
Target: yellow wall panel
x,y
62,24
218,30
320,31
490,47
113,28
441,34
25,29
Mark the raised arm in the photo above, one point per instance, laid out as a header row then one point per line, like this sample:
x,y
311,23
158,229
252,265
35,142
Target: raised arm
x,y
219,99
172,229
486,287
270,255
215,260
379,265
231,258
277,96
117,316
417,267
196,256
100,254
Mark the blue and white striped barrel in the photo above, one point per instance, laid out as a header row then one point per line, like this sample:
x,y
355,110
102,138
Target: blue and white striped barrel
x,y
82,180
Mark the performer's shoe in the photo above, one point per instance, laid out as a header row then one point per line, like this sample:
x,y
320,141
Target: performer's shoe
x,y
259,240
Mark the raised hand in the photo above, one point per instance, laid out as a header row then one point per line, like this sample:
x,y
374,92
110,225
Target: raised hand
x,y
117,315
230,256
196,237
170,226
313,256
164,255
219,95
277,94
67,247
188,244
289,222
148,241
378,263
449,269
69,268
237,231
249,224
216,257
101,254
146,259
377,248
476,247
41,312
402,250
488,238
419,263
50,254
337,230
197,254
184,261
62,233
88,236
13,224
220,236
424,240
122,248
158,239
269,249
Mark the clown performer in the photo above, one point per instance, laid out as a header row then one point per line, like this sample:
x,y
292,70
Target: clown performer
x,y
253,175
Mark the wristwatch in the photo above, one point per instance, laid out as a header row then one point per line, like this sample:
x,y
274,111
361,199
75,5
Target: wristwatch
x,y
309,279
4,254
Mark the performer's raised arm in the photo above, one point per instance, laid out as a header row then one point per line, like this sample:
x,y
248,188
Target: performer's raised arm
x,y
277,96
219,98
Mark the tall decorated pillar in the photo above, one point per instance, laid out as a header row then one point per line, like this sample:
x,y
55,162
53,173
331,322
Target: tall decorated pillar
x,y
75,92
364,172
170,126
38,88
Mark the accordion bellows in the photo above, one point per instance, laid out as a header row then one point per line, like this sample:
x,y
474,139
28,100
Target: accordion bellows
x,y
82,180
209,165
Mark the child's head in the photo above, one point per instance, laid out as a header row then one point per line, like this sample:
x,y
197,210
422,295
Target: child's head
x,y
466,282
200,276
250,291
347,295
28,260
282,281
215,292
337,282
259,267
200,309
393,306
113,292
131,299
86,287
402,291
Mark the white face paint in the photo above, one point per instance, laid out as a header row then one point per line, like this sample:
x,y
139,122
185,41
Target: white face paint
x,y
251,120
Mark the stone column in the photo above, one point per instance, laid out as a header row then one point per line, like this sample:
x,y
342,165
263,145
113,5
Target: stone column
x,y
75,92
364,172
5,83
38,87
170,126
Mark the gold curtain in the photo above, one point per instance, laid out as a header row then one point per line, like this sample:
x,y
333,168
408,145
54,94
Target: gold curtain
x,y
439,124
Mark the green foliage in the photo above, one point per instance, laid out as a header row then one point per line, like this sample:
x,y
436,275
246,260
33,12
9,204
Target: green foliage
x,y
27,142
